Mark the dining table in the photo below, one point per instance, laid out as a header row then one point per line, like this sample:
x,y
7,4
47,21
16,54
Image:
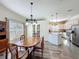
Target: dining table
x,y
28,43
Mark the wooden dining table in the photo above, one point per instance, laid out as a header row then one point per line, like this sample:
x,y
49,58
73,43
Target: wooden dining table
x,y
27,43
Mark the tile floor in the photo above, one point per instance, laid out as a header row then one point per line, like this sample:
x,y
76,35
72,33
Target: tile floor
x,y
58,52
67,51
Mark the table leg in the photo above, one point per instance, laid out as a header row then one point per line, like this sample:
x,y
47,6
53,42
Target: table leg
x,y
6,56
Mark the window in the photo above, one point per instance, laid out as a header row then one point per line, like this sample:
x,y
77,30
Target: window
x,y
15,30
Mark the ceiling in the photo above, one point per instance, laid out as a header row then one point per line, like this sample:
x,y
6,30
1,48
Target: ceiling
x,y
44,9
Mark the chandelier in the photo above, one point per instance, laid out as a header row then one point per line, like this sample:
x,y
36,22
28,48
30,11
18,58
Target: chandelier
x,y
31,20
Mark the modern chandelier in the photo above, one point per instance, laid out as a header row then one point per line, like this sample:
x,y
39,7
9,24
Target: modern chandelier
x,y
31,20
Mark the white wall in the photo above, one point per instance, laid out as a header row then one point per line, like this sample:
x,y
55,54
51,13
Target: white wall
x,y
4,12
44,29
29,30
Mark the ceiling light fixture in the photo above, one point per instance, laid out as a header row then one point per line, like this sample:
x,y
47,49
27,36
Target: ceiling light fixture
x,y
31,20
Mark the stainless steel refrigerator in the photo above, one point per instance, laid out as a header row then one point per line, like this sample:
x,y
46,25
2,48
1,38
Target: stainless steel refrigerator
x,y
75,34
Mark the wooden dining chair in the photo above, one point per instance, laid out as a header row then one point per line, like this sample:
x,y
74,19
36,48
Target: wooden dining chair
x,y
22,37
39,47
4,47
17,54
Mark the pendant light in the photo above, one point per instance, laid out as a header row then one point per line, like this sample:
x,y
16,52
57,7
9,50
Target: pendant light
x,y
31,20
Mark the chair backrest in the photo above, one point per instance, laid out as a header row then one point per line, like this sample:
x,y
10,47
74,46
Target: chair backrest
x,y
42,43
3,44
22,37
14,51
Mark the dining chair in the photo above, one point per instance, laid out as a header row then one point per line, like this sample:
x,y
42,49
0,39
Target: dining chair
x,y
17,54
4,47
22,37
39,47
